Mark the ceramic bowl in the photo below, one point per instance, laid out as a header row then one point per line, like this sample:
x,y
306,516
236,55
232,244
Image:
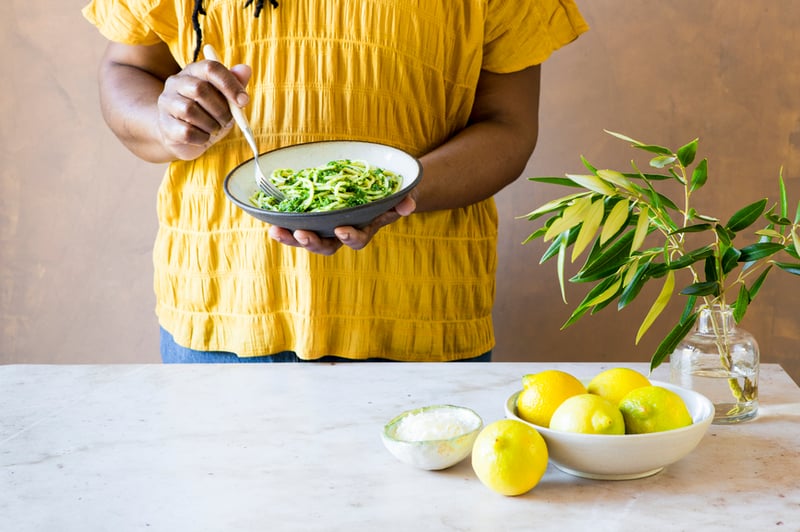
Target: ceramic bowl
x,y
629,456
240,183
436,453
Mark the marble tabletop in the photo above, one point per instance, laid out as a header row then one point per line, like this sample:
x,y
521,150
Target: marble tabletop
x,y
297,447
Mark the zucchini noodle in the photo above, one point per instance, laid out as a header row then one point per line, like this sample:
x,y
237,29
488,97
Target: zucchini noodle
x,y
339,184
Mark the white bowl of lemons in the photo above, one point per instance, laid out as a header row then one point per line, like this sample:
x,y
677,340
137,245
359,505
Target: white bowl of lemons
x,y
432,437
613,454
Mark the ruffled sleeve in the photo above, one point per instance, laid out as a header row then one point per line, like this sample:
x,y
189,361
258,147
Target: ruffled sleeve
x,y
118,22
521,33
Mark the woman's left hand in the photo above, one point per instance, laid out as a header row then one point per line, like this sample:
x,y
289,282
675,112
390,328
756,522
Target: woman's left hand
x,y
345,235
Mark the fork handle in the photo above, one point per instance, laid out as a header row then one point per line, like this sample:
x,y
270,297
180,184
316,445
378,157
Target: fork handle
x,y
236,111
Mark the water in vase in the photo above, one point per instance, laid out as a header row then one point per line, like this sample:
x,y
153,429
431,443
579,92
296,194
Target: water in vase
x,y
733,392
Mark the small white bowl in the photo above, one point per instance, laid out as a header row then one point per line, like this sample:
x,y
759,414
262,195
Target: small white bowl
x,y
628,456
433,454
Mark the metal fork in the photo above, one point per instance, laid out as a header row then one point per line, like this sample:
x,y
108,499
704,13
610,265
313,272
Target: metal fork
x,y
262,180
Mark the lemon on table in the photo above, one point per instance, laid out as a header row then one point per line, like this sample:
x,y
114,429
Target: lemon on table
x,y
588,414
615,383
653,409
543,392
509,457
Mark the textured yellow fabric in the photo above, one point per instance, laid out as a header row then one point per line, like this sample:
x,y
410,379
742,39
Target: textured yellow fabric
x,y
399,72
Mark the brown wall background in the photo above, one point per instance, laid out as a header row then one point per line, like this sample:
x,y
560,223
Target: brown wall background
x,y
77,211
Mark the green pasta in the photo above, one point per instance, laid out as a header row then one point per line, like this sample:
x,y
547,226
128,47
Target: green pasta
x,y
339,184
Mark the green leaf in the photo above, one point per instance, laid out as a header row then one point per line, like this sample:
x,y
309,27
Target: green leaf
x,y
633,287
705,288
795,240
661,161
707,218
642,224
624,137
759,250
769,233
572,216
595,252
710,269
630,271
756,286
687,153
563,181
536,234
575,316
666,202
615,221
730,259
594,184
742,301
797,213
696,228
691,257
608,261
792,268
591,223
744,217
616,178
600,306
699,175
688,308
660,150
585,305
588,165
607,294
679,178
672,340
792,252
658,306
725,236
777,220
651,177
782,187
562,253
657,269
552,251
652,196
554,205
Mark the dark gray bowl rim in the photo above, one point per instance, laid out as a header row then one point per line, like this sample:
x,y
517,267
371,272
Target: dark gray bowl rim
x,y
250,208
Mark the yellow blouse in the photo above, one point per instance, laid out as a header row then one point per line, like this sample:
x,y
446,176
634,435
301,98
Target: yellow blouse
x,y
398,72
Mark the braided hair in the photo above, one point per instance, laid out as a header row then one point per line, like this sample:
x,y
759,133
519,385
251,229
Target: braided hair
x,y
200,10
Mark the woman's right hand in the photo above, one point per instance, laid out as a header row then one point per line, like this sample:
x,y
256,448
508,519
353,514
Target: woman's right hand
x,y
193,109
162,112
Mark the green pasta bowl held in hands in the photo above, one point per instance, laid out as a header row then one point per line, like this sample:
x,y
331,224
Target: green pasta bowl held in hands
x,y
240,185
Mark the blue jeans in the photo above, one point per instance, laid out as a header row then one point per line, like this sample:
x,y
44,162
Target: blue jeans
x,y
172,353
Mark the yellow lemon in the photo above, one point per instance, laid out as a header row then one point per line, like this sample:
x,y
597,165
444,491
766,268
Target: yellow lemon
x,y
653,409
543,392
509,457
589,414
615,383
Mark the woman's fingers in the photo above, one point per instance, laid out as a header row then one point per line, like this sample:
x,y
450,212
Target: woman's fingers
x,y
193,108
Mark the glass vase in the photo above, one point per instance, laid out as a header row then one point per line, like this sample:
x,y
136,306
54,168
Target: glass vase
x,y
719,360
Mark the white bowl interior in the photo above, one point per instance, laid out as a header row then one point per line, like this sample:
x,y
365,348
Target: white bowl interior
x,y
243,185
436,453
629,456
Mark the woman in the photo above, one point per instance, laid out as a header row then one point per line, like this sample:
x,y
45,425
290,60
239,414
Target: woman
x,y
455,83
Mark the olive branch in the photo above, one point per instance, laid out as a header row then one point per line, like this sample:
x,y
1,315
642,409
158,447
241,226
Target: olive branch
x,y
613,215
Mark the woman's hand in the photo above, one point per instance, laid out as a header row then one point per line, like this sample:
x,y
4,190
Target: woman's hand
x,y
193,109
346,235
162,112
